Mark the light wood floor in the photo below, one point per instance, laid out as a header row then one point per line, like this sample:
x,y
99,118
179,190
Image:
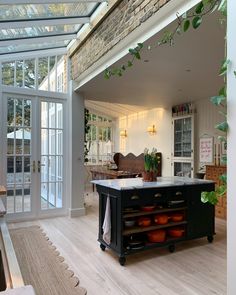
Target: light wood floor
x,y
196,268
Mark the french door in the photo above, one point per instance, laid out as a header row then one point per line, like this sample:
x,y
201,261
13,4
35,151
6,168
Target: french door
x,y
34,156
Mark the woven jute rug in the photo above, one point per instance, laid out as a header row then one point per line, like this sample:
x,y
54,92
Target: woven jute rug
x,y
41,264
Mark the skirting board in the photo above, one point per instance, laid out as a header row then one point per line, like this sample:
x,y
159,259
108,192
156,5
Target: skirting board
x,y
77,212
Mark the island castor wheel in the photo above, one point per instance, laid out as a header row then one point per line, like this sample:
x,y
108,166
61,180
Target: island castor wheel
x,y
122,260
210,239
171,248
102,247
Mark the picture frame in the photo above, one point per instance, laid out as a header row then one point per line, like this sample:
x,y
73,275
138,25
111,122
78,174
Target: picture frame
x,y
206,149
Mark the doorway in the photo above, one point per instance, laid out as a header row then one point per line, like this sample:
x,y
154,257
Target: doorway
x,y
34,137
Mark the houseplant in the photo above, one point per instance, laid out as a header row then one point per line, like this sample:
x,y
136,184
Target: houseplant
x,y
151,161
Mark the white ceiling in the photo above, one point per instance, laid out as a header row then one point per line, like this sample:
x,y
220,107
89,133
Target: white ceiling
x,y
184,72
114,110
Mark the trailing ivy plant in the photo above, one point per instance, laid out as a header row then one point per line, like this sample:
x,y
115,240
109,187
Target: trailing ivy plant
x,y
86,131
184,22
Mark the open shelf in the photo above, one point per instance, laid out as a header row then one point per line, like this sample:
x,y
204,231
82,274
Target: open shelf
x,y
139,229
149,245
157,211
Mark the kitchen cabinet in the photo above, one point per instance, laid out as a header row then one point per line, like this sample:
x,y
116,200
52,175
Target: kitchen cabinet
x,y
134,200
182,147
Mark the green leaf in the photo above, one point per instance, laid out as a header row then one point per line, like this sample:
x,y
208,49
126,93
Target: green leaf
x,y
210,197
200,7
186,25
140,45
224,67
129,63
235,73
222,138
223,178
223,159
217,100
223,7
221,190
123,67
196,22
223,91
137,55
107,74
222,126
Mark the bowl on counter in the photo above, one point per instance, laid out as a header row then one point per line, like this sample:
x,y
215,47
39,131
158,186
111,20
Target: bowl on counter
x,y
157,236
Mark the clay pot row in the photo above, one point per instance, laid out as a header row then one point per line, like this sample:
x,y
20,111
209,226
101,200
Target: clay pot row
x,y
159,235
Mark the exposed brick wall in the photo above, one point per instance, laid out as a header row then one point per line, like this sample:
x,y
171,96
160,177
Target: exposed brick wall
x,y
125,18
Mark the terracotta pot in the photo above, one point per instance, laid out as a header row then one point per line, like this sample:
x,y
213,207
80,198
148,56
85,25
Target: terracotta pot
x,y
144,221
157,236
176,232
148,208
149,176
161,219
177,217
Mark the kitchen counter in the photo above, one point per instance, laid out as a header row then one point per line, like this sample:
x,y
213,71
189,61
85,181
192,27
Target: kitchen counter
x,y
138,183
3,190
124,200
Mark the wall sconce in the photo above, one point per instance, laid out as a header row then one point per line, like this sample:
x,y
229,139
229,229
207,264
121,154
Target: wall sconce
x,y
152,130
123,133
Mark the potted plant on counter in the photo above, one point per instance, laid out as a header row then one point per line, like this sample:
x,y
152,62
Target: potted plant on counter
x,y
151,161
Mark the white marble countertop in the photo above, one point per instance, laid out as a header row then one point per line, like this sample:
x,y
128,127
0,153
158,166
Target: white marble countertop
x,y
137,183
25,290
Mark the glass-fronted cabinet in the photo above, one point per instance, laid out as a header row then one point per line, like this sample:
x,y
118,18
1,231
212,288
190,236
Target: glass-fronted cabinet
x,y
182,152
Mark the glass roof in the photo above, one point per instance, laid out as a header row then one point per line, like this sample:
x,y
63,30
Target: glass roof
x,y
39,31
32,47
56,24
36,11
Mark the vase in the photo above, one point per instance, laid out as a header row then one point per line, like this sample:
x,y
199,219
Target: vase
x,y
149,176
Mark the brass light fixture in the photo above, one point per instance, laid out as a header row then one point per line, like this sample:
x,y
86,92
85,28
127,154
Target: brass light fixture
x,y
123,133
152,130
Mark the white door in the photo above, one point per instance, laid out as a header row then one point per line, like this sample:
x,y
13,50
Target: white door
x,y
34,157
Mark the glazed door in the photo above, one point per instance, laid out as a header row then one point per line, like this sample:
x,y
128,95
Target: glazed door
x,y
34,157
20,155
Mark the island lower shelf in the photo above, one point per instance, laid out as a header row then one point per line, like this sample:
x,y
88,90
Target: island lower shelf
x,y
127,205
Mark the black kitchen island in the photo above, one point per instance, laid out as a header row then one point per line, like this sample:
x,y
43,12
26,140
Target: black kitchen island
x,y
146,215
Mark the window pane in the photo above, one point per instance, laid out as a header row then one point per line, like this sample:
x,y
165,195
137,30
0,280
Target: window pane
x,y
43,73
10,112
27,112
19,73
29,70
8,73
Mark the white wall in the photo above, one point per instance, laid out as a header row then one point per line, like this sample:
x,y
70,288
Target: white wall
x,y
138,137
231,171
206,118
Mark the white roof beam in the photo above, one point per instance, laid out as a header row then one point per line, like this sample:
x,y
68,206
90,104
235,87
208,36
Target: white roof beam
x,y
31,40
32,54
22,2
16,24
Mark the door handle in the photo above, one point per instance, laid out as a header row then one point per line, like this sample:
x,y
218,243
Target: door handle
x,y
39,166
